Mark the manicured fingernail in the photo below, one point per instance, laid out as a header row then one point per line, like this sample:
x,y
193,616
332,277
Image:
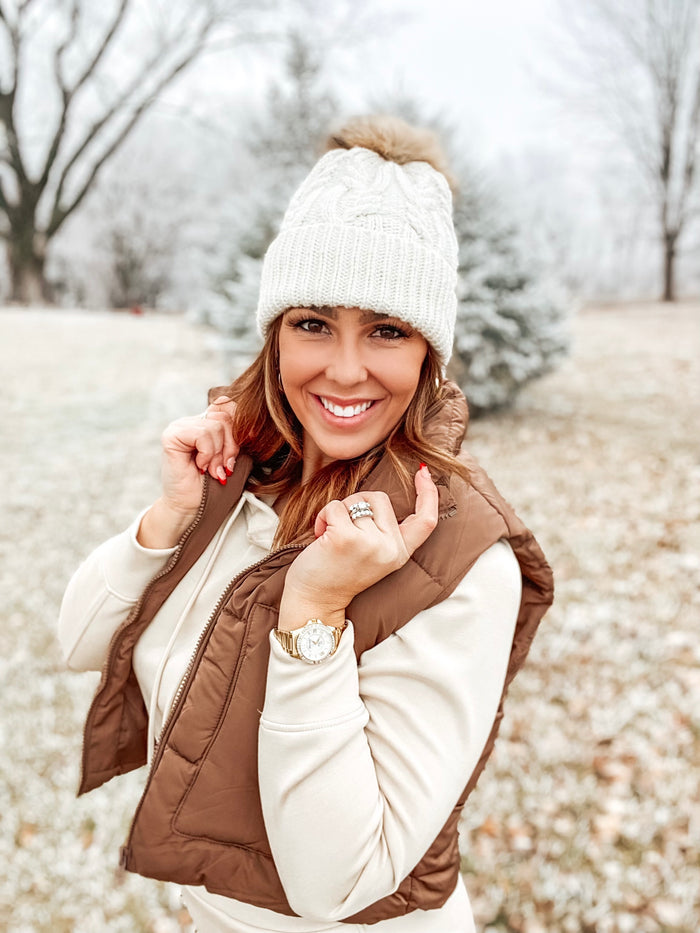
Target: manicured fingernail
x,y
202,472
230,464
228,472
422,465
222,481
221,474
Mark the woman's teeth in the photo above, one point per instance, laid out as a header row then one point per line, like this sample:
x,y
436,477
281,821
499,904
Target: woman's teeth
x,y
344,412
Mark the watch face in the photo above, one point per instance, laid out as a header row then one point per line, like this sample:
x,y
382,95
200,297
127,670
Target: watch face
x,y
315,642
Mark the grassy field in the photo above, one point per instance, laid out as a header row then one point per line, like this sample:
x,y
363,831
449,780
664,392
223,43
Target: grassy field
x,y
588,815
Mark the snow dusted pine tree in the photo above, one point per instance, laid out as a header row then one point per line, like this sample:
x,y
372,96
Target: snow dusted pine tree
x,y
511,321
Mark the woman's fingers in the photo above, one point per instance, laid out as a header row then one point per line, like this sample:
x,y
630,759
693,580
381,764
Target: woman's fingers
x,y
349,556
221,463
197,440
224,456
383,516
417,527
334,514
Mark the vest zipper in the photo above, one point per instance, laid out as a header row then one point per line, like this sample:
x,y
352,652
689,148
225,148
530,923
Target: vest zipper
x,y
125,852
172,560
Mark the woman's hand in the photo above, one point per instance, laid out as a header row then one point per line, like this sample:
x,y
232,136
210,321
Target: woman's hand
x,y
349,556
191,447
194,446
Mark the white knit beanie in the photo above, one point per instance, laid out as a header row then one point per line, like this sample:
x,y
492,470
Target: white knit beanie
x,y
363,231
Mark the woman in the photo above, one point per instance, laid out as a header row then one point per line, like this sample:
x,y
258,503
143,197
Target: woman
x,y
309,634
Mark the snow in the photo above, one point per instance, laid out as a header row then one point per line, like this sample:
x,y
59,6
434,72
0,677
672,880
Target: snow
x,y
587,816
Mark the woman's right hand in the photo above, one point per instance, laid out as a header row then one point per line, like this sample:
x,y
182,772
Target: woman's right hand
x,y
192,446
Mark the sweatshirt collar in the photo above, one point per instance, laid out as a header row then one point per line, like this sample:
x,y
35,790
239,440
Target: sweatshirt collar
x,y
261,519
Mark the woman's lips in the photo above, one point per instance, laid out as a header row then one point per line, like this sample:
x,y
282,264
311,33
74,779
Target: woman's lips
x,y
345,411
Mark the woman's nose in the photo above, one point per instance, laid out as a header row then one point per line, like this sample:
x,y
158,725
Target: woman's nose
x,y
345,364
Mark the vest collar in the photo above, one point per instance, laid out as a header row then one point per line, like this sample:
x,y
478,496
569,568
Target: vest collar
x,y
445,428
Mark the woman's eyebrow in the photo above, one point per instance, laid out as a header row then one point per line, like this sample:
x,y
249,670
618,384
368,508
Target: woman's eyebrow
x,y
325,311
369,316
366,317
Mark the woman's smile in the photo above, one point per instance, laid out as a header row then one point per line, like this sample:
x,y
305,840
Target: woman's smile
x,y
346,410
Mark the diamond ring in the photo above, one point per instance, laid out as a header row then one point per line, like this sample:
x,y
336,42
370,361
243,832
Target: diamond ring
x,y
360,509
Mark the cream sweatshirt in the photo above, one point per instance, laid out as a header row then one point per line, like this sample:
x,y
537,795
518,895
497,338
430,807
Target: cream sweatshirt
x,y
360,764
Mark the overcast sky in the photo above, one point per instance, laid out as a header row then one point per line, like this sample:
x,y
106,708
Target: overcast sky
x,y
476,60
479,60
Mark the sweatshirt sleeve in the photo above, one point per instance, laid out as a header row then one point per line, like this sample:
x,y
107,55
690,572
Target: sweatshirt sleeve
x,y
361,765
101,594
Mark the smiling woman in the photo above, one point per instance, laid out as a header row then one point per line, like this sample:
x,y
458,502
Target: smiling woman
x,y
310,633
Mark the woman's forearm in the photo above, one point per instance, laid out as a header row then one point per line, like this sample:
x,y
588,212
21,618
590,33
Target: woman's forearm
x,y
296,608
162,526
101,594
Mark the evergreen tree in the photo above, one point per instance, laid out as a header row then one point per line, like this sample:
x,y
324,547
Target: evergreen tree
x,y
511,320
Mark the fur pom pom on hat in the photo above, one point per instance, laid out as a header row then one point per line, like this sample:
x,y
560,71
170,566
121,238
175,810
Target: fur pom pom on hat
x,y
370,227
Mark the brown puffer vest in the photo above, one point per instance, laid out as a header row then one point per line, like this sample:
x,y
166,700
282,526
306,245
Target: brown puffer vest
x,y
200,820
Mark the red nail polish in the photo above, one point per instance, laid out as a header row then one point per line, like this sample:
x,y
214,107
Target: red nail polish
x,y
202,471
222,481
228,472
422,465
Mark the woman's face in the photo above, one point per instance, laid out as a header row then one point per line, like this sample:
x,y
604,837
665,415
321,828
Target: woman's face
x,y
349,376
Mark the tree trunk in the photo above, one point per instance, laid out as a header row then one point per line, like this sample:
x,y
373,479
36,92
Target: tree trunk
x,y
670,267
26,258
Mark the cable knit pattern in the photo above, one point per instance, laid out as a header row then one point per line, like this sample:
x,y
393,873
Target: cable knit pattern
x,y
365,232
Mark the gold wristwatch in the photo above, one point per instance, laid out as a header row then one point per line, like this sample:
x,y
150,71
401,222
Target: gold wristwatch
x,y
313,642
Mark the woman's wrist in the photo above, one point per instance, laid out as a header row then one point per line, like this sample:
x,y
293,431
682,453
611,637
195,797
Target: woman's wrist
x,y
162,526
297,608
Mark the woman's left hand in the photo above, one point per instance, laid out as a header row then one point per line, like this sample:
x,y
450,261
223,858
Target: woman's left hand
x,y
349,556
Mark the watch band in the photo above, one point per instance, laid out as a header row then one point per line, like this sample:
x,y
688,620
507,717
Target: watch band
x,y
290,640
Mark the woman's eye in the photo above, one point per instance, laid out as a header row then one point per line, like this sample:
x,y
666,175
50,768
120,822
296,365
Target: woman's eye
x,y
388,332
311,326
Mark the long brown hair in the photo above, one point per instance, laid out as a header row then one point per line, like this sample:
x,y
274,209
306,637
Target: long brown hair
x,y
266,428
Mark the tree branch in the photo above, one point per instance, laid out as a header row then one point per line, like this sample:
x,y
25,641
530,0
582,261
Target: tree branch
x,y
691,153
69,93
62,46
123,100
8,212
23,7
103,46
4,203
14,37
7,119
59,214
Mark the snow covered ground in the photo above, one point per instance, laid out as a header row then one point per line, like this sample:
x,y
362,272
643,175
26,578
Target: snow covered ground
x,y
588,816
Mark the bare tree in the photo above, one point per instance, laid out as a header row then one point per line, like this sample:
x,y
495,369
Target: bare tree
x,y
638,63
100,67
